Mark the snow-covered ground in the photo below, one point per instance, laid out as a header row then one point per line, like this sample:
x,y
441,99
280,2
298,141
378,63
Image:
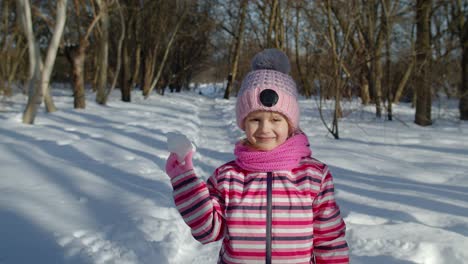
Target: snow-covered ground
x,y
88,186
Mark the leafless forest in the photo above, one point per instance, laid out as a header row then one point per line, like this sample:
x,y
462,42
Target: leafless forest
x,y
382,51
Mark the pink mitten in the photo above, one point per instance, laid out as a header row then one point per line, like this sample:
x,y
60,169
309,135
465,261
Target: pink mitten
x,y
175,168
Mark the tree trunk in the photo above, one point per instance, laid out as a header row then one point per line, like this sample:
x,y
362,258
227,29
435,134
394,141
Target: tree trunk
x,y
78,77
336,81
103,52
126,80
12,50
76,55
279,28
378,82
34,91
239,40
370,44
463,104
423,61
388,78
96,71
137,65
386,31
371,79
4,64
119,51
13,64
377,56
148,71
364,86
403,82
305,85
40,77
126,73
52,54
271,23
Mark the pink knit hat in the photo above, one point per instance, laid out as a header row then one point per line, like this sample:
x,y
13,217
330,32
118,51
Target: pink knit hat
x,y
268,87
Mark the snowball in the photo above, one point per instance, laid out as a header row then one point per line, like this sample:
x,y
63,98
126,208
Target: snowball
x,y
179,144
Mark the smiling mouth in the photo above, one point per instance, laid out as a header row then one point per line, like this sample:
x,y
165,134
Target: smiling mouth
x,y
265,139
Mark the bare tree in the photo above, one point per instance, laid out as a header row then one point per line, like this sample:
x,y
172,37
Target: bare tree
x,y
373,35
40,73
360,60
12,48
166,53
272,23
304,83
460,27
101,97
463,105
338,77
192,47
75,49
163,21
423,62
119,49
339,48
387,29
238,40
34,92
131,49
406,76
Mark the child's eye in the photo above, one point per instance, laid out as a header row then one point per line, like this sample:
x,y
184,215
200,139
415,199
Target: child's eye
x,y
254,120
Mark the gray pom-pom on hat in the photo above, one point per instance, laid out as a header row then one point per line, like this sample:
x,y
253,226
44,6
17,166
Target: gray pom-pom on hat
x,y
271,59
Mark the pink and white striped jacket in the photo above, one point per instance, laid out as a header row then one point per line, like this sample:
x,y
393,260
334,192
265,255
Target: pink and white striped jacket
x,y
265,217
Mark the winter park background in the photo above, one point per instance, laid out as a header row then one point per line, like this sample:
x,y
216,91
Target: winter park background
x,y
88,186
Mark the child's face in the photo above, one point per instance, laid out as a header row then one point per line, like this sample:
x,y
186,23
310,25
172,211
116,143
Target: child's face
x,y
266,130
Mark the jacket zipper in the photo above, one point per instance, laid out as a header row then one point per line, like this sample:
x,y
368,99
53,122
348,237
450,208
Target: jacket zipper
x,y
269,217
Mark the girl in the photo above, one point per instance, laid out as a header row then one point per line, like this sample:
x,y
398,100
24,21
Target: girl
x,y
274,203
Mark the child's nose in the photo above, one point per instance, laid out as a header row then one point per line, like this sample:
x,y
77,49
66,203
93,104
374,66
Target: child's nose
x,y
264,126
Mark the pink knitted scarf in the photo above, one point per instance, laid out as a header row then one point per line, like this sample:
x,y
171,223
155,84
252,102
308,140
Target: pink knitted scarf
x,y
284,157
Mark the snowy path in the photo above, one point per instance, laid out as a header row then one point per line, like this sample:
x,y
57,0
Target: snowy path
x,y
215,139
88,186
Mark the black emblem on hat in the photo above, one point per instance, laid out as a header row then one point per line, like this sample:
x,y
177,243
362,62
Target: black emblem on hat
x,y
268,97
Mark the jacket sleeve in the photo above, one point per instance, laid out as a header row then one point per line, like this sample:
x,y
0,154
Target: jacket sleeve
x,y
330,245
200,205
